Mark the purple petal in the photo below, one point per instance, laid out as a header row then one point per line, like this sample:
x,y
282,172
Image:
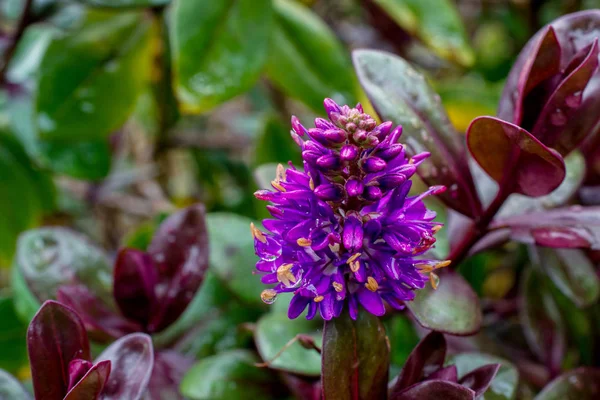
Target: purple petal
x,y
297,305
371,301
353,234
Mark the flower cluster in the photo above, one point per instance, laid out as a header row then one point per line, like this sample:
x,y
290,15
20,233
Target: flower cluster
x,y
345,229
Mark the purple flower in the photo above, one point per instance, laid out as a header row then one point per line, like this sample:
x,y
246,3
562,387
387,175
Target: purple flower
x,y
345,229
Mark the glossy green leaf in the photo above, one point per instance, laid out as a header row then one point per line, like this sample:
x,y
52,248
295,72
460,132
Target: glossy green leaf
x,y
232,256
572,272
453,308
125,3
26,304
436,22
579,384
306,60
504,385
541,320
402,95
219,49
273,333
13,351
50,257
230,375
90,79
26,192
10,388
274,144
355,358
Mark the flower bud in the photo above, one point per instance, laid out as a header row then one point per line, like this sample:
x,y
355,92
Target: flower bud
x,y
331,107
391,181
348,153
329,192
310,156
373,164
297,126
359,135
354,187
390,152
381,131
328,161
321,123
372,193
328,137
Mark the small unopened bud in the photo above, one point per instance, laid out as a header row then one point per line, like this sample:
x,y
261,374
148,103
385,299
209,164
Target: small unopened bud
x,y
359,135
391,181
321,123
372,193
395,135
328,161
382,130
297,126
329,192
349,152
388,153
328,137
354,187
373,164
331,107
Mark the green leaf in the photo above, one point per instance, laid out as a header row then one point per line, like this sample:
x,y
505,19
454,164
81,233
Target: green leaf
x,y
437,23
453,308
274,144
219,49
50,257
26,304
572,273
355,358
125,3
504,385
264,174
402,95
232,256
90,79
306,60
274,332
541,320
26,194
230,375
579,384
10,388
403,338
13,350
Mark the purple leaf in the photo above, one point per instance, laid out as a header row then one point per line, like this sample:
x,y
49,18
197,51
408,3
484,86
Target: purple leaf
x,y
434,390
570,227
132,359
180,251
448,373
480,379
55,337
169,369
512,156
101,322
355,358
538,61
77,370
302,387
582,383
401,95
427,357
92,383
134,285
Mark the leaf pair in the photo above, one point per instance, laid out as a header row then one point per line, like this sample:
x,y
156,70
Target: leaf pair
x,y
150,289
425,377
61,367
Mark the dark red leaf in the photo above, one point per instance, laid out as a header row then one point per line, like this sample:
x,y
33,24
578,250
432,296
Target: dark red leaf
x,y
77,370
538,61
132,359
55,337
570,227
169,369
480,379
92,383
427,357
135,278
302,387
512,156
101,322
434,390
355,358
563,106
448,373
180,251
